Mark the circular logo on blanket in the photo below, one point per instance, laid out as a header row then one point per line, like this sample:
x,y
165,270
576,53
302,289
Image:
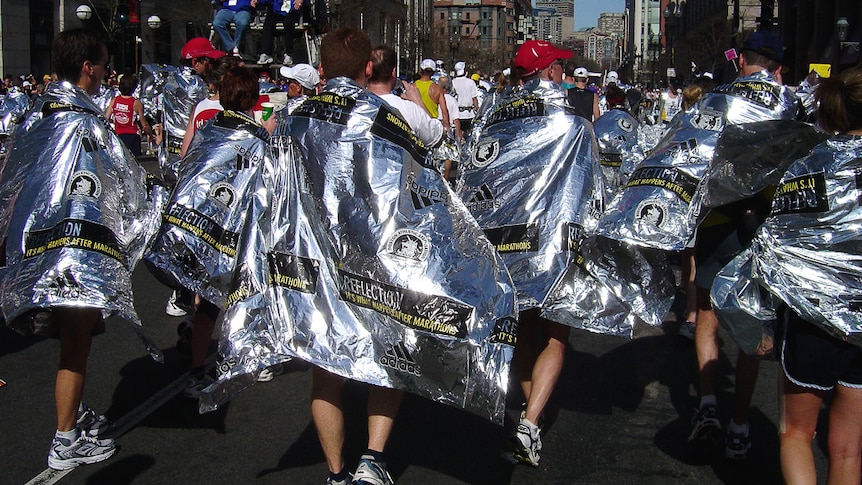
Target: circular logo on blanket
x,y
223,193
485,153
652,212
625,125
708,120
85,184
409,244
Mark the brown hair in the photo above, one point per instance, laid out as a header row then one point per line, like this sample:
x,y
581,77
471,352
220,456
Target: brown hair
x,y
690,95
753,58
839,101
238,90
71,48
383,59
218,67
345,52
128,83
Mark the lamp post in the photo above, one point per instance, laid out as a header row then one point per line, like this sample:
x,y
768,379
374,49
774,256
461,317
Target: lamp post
x,y
84,12
454,33
672,15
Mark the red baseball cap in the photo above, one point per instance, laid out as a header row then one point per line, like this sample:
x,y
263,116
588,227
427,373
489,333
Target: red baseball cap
x,y
536,55
200,47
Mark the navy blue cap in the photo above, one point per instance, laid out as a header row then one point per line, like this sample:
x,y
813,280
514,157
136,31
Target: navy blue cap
x,y
765,43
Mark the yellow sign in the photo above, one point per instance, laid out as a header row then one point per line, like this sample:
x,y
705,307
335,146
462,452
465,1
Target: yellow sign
x,y
822,70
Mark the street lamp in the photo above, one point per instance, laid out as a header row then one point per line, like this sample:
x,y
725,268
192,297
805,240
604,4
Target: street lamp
x,y
843,26
672,15
84,13
454,33
154,22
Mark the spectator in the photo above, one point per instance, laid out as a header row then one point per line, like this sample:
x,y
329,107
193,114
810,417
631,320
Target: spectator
x,y
302,79
288,12
239,12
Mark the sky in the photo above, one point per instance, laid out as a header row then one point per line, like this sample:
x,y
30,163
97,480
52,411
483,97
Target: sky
x,y
587,11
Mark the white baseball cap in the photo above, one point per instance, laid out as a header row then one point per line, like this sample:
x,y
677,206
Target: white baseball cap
x,y
304,74
459,68
612,77
582,72
427,65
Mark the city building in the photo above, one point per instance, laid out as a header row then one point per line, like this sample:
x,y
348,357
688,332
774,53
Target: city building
x,y
480,32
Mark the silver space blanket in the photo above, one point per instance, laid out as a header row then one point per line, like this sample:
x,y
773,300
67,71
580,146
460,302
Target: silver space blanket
x,y
176,91
197,245
655,208
103,98
364,263
533,182
12,108
76,214
808,252
619,151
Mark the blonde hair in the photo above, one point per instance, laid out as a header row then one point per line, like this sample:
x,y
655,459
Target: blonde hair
x,y
691,95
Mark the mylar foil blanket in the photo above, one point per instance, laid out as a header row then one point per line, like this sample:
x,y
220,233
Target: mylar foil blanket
x,y
197,245
374,270
533,182
745,309
75,212
151,78
103,98
611,287
179,90
750,158
655,208
619,152
809,252
12,108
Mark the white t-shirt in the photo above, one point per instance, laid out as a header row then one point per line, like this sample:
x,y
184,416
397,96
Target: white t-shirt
x,y
426,128
465,88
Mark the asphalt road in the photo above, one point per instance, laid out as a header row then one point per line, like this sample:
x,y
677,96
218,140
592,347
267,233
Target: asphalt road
x,y
620,415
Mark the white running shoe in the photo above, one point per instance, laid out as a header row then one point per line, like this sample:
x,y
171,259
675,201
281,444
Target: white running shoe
x,y
265,59
66,454
173,308
89,422
526,443
371,472
287,61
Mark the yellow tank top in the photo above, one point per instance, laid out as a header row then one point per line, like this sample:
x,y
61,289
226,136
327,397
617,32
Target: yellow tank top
x,y
424,88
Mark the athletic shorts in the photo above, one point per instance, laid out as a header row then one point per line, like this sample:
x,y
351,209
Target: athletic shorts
x,y
714,247
814,359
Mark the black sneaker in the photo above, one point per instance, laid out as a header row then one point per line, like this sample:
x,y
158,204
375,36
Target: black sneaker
x,y
706,425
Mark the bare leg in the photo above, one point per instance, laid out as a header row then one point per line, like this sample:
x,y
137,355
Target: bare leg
x,y
688,271
747,369
799,408
76,334
383,405
525,349
845,436
547,369
706,343
202,334
328,415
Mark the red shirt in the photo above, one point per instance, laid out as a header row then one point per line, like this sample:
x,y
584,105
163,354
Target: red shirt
x,y
124,115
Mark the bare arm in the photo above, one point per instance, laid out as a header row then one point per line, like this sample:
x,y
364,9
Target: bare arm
x,y
596,113
187,138
145,126
438,97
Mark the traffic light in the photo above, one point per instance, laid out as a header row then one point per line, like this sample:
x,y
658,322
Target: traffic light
x,y
123,15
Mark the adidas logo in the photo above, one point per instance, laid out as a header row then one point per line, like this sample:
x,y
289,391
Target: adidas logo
x,y
423,196
398,357
482,199
65,286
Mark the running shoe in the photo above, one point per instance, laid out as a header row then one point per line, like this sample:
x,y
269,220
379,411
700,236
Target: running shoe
x,y
236,52
194,385
90,423
287,60
265,59
66,454
371,472
736,445
173,308
687,330
526,443
706,425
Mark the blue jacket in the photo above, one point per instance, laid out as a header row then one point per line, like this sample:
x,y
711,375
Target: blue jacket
x,y
277,5
239,6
